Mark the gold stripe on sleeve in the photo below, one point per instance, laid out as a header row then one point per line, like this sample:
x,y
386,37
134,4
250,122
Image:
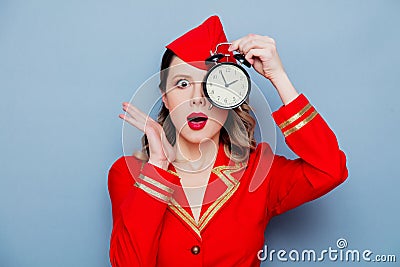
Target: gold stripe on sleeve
x,y
152,192
301,124
295,116
156,183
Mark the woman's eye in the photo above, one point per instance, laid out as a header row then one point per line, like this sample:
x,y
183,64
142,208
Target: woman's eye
x,y
183,83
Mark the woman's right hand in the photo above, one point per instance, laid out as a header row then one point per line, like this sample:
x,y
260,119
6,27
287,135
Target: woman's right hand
x,y
161,151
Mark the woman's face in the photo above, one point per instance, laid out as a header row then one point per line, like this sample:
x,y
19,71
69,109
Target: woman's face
x,y
187,105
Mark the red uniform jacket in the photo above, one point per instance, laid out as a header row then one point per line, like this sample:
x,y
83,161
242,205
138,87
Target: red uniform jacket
x,y
153,225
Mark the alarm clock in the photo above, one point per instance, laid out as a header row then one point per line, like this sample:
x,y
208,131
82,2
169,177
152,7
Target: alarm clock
x,y
226,85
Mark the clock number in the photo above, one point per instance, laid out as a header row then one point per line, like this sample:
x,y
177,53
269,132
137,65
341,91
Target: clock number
x,y
226,85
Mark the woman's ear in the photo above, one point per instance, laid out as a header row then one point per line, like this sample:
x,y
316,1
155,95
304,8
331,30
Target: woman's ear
x,y
165,100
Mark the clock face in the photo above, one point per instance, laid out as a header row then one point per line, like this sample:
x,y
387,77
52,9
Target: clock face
x,y
227,85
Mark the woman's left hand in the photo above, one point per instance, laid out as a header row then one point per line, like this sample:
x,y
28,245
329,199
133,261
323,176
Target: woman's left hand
x,y
260,51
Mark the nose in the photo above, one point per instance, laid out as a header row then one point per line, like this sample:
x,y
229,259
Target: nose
x,y
198,98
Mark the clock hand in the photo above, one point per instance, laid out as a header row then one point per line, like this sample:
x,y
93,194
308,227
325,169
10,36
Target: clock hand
x,y
230,90
226,84
231,83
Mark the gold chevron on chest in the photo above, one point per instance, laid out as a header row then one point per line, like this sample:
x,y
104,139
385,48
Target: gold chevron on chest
x,y
224,173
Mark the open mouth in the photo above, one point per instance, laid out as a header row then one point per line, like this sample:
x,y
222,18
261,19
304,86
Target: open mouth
x,y
197,117
197,121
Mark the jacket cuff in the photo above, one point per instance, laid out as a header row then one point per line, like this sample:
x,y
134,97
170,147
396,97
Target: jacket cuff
x,y
157,182
294,115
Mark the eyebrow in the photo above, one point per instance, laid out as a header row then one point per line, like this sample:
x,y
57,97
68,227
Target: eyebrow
x,y
181,75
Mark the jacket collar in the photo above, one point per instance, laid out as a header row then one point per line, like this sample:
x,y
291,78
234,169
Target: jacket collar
x,y
223,182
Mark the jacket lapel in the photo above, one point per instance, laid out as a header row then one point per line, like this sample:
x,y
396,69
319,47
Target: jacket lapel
x,y
222,184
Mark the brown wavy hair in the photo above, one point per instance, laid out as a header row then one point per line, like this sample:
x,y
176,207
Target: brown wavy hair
x,y
237,134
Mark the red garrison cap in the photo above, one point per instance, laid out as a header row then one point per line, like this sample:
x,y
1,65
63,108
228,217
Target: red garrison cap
x,y
196,44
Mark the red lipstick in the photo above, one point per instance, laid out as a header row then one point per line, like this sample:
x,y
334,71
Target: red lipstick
x,y
197,120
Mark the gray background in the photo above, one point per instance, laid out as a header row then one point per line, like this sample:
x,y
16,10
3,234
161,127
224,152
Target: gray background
x,y
66,66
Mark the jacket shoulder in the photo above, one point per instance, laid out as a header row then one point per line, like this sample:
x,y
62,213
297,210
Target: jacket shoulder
x,y
124,168
263,150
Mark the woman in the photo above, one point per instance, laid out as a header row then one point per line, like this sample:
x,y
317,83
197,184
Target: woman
x,y
186,201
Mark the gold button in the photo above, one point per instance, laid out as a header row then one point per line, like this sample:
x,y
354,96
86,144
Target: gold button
x,y
195,250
